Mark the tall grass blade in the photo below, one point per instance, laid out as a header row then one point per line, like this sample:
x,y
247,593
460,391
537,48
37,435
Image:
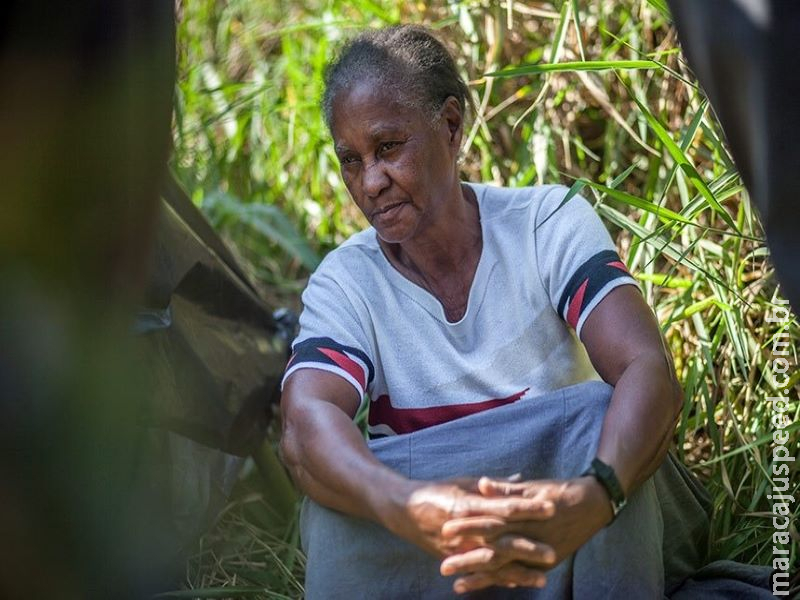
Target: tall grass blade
x,y
572,66
683,162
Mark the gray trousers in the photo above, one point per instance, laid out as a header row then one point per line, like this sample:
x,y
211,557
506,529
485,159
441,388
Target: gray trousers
x,y
656,546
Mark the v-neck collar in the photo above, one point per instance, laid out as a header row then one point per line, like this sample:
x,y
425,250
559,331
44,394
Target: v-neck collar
x,y
477,289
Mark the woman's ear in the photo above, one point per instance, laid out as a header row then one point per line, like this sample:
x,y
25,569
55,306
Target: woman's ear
x,y
454,118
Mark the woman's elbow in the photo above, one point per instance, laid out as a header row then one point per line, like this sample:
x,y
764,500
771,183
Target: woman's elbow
x,y
674,389
290,448
677,400
661,371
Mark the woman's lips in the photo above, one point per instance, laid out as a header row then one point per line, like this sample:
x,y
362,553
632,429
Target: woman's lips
x,y
388,212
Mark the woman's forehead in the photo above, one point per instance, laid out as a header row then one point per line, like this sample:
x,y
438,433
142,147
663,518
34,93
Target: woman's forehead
x,y
371,94
372,109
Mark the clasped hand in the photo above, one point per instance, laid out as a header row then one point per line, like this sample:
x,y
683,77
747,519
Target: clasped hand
x,y
505,533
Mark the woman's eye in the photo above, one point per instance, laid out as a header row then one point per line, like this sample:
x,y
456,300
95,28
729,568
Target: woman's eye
x,y
347,160
386,146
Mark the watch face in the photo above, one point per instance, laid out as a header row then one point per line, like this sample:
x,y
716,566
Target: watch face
x,y
618,506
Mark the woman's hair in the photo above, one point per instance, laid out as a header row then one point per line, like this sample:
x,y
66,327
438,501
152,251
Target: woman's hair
x,y
406,60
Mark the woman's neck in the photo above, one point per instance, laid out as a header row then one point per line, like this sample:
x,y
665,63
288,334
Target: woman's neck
x,y
444,244
443,258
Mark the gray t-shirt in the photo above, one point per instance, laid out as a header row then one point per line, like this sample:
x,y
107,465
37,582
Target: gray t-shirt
x,y
545,264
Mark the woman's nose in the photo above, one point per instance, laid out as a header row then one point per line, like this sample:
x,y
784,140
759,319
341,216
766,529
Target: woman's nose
x,y
374,179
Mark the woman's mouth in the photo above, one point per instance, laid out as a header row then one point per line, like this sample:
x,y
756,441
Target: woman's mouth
x,y
388,211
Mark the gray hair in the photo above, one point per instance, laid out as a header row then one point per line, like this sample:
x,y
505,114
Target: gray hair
x,y
407,60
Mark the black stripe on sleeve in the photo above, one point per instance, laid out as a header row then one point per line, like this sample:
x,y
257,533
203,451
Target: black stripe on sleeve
x,y
589,279
309,351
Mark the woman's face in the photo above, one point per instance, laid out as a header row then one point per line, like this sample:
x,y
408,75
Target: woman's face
x,y
398,166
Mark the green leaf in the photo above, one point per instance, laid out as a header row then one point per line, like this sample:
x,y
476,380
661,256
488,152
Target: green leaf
x,y
764,440
683,162
663,280
571,193
660,6
590,65
665,214
561,33
267,219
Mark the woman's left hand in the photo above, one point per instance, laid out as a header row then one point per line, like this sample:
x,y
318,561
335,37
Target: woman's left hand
x,y
508,556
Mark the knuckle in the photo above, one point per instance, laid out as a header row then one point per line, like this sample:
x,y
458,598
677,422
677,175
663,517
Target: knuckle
x,y
486,554
509,543
458,510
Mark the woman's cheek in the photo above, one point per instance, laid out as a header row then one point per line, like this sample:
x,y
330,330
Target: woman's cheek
x,y
350,182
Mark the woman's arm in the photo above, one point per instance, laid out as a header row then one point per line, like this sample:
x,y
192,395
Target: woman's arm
x,y
325,452
626,348
330,461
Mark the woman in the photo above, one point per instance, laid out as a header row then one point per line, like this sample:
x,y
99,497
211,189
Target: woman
x,y
459,299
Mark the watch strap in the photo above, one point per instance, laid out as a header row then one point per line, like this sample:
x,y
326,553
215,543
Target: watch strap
x,y
606,476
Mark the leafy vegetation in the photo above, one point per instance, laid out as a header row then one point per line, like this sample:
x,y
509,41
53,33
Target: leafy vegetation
x,y
593,94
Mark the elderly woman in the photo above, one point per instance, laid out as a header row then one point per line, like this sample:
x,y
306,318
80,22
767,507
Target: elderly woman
x,y
467,316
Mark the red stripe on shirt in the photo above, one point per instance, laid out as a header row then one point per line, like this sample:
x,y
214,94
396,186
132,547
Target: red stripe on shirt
x,y
406,420
348,364
574,311
618,264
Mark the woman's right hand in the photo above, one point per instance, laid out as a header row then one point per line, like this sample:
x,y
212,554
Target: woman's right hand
x,y
424,507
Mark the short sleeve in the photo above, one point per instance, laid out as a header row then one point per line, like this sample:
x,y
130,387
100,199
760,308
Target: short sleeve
x,y
331,336
577,260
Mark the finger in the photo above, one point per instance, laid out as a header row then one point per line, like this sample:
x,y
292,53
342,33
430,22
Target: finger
x,y
539,489
487,531
515,478
527,552
474,582
500,487
521,575
486,527
468,484
511,575
513,508
457,545
507,549
477,560
517,507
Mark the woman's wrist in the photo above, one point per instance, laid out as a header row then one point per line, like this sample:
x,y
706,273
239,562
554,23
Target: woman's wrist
x,y
388,501
597,498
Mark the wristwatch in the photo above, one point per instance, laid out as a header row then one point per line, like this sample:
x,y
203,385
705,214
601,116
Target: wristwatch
x,y
608,479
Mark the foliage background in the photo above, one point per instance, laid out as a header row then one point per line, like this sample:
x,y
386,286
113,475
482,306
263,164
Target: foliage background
x,y
594,94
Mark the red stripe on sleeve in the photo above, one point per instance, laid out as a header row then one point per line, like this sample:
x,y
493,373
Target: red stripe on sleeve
x,y
618,264
348,364
574,311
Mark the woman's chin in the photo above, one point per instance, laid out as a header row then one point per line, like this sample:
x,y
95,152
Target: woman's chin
x,y
393,235
395,232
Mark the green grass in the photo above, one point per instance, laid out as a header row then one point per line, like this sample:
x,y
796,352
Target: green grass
x,y
592,94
